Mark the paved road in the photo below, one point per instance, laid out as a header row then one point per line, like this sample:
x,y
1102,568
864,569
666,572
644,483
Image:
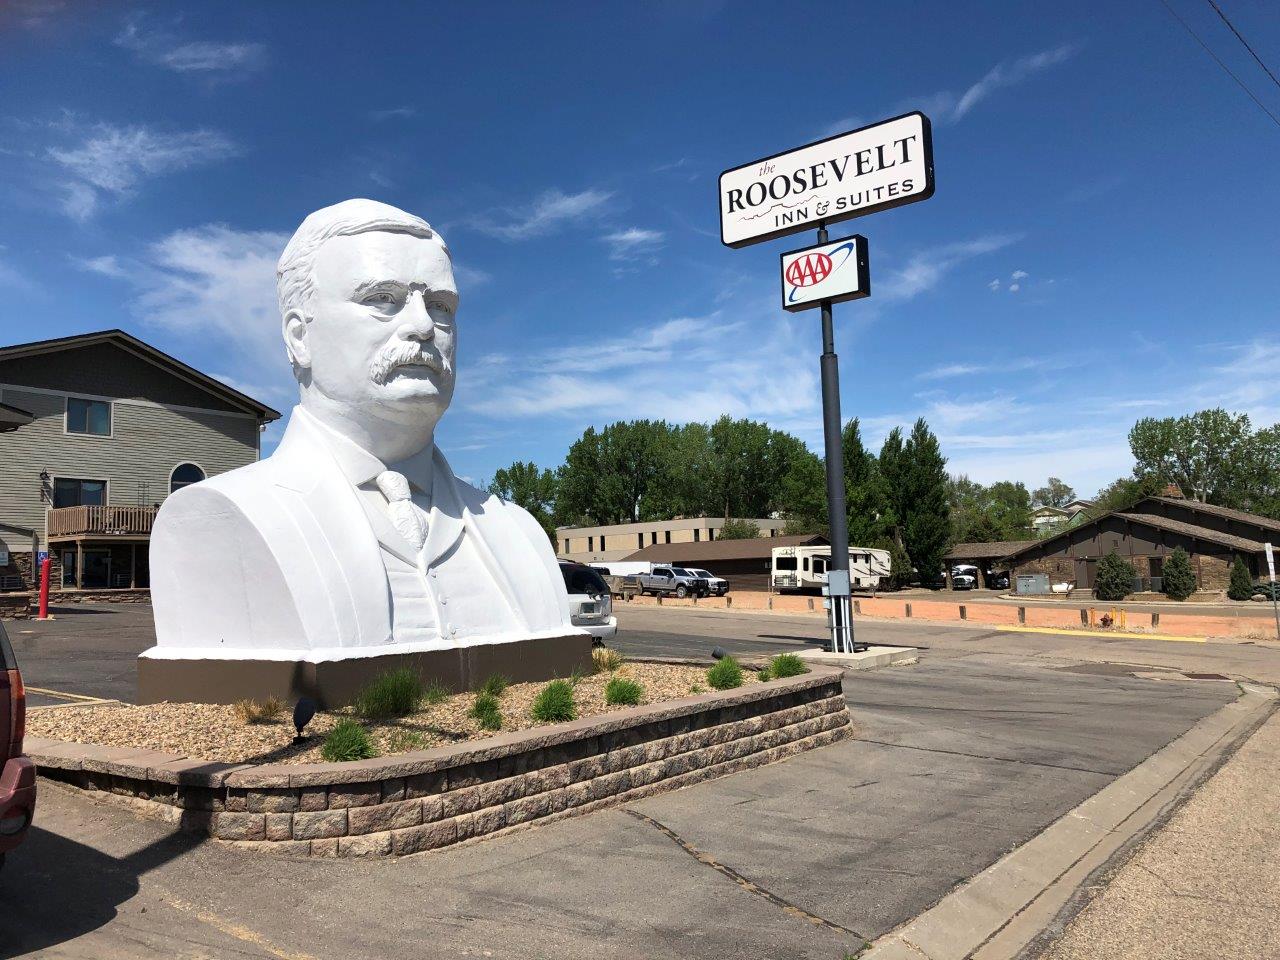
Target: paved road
x,y
957,760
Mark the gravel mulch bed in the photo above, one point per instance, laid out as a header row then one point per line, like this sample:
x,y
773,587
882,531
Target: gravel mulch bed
x,y
215,732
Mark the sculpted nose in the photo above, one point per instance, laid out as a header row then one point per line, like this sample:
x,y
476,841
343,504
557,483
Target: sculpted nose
x,y
415,319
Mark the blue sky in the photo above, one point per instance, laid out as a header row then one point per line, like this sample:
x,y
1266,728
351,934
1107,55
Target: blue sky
x,y
1102,244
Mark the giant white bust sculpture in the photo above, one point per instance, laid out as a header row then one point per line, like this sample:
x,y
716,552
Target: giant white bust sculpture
x,y
354,548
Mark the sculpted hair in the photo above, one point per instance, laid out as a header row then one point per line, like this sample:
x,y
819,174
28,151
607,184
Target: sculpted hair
x,y
295,282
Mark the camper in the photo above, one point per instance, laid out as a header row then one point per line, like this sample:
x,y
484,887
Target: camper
x,y
623,568
805,568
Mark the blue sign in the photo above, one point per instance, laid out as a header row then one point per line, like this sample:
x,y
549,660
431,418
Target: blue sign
x,y
41,557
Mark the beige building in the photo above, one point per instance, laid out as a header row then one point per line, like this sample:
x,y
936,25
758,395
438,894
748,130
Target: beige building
x,y
618,541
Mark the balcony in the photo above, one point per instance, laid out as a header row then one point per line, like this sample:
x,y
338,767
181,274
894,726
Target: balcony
x,y
106,521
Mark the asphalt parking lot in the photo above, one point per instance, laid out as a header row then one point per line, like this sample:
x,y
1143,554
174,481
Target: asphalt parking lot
x,y
956,761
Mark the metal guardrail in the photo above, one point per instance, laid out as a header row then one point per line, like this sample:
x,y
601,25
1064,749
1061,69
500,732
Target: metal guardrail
x,y
105,520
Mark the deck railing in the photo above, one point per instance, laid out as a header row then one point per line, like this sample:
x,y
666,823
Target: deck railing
x,y
107,521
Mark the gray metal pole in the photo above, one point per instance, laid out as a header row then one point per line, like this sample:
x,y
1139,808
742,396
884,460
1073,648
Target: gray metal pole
x,y
842,640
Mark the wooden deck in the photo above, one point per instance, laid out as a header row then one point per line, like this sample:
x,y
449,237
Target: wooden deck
x,y
126,523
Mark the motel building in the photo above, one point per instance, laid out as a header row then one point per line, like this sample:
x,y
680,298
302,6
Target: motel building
x,y
620,540
95,431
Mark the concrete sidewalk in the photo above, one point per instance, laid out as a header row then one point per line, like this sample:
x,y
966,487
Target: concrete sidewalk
x,y
1207,884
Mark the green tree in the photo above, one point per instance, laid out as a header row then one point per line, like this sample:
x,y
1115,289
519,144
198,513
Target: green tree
x,y
1208,454
804,495
899,567
525,485
611,476
926,515
981,514
865,501
738,530
1241,585
1055,493
892,473
1178,582
1121,494
1114,579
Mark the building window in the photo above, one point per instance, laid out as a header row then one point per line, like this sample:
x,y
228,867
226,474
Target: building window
x,y
591,544
653,537
88,416
602,541
711,533
666,534
69,492
697,534
640,540
184,474
566,546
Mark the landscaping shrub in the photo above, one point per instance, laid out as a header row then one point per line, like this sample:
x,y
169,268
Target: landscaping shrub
x,y
624,691
251,711
726,674
605,658
1114,580
786,665
1179,582
435,693
1241,586
347,741
486,711
395,693
555,703
403,740
495,685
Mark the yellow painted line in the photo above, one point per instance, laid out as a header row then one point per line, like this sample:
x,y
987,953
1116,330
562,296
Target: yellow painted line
x,y
1110,634
65,696
236,930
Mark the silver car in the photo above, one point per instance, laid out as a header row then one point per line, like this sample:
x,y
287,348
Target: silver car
x,y
590,605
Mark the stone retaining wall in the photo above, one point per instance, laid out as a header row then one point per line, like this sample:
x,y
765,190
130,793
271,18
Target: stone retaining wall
x,y
407,803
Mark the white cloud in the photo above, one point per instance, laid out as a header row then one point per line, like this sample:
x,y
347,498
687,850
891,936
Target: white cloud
x,y
470,276
115,160
393,113
548,213
1019,275
215,285
677,369
32,13
945,106
163,49
926,269
634,243
1014,287
994,285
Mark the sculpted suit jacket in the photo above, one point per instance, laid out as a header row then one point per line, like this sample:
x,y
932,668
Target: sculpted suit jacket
x,y
290,558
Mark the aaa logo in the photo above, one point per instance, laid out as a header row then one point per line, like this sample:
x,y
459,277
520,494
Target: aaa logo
x,y
808,270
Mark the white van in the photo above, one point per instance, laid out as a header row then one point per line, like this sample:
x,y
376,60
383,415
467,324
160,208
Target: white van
x,y
805,568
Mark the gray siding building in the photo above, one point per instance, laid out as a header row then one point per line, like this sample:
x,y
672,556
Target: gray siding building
x,y
101,427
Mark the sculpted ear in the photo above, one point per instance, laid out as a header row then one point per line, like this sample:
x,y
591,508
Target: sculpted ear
x,y
295,339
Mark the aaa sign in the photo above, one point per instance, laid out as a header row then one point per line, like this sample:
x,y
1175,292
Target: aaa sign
x,y
830,271
849,175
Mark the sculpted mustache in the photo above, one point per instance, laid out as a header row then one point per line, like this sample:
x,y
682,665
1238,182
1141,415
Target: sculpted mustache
x,y
402,353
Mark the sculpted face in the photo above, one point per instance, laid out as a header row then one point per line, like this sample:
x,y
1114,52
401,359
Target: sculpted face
x,y
382,327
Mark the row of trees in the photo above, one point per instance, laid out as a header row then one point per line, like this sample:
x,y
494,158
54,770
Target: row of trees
x,y
652,470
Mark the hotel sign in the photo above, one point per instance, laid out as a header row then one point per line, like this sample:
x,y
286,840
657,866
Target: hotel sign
x,y
830,271
849,175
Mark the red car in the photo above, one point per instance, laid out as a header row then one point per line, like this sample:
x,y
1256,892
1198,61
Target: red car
x,y
17,773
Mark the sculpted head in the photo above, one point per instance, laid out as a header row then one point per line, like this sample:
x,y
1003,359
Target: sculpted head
x,y
367,304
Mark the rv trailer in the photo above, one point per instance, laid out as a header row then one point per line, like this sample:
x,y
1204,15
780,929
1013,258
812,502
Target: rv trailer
x,y
805,568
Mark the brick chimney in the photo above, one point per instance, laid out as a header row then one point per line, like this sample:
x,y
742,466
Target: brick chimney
x,y
1172,490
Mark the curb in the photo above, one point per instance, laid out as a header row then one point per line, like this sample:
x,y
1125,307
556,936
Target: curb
x,y
994,915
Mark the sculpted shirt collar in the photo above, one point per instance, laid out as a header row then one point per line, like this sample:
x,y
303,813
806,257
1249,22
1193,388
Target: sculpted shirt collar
x,y
361,467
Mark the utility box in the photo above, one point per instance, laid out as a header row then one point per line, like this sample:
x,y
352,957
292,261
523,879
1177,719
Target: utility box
x,y
1033,583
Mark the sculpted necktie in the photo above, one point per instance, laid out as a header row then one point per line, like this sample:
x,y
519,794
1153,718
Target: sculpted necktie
x,y
408,520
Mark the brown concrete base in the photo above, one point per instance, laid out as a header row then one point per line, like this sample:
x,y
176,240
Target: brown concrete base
x,y
336,683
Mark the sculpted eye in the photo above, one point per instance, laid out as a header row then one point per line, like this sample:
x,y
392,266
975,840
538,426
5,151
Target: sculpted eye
x,y
382,297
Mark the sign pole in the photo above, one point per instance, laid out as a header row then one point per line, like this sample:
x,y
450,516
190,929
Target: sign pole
x,y
1271,572
838,569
